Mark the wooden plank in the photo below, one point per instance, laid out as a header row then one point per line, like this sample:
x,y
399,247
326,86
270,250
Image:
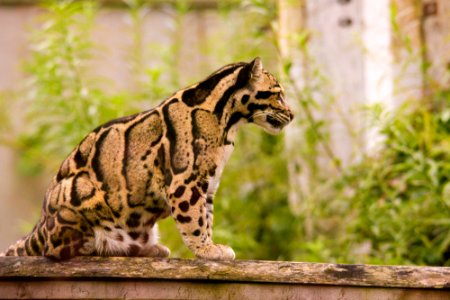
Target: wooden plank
x,y
150,289
232,271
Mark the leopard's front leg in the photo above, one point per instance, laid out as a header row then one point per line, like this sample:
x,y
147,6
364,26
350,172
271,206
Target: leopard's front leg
x,y
193,215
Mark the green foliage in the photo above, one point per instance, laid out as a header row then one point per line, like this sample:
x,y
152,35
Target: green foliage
x,y
403,202
63,102
392,206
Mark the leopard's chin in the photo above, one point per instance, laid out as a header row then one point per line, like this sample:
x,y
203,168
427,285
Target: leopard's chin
x,y
270,124
274,124
272,130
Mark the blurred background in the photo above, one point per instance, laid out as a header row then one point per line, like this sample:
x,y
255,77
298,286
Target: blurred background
x,y
363,174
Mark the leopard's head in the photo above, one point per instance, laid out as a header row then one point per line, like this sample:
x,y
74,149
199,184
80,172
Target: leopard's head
x,y
262,99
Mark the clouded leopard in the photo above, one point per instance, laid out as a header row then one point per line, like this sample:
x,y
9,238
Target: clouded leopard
x,y
130,172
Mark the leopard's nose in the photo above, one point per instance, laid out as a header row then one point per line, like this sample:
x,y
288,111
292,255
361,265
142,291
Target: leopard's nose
x,y
291,115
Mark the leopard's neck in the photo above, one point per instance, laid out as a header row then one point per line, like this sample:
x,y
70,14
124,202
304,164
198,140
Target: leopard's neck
x,y
219,95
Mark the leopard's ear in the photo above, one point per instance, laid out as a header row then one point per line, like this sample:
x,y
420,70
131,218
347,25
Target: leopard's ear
x,y
256,69
250,74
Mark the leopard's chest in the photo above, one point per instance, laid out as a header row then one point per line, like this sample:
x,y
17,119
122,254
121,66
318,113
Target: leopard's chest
x,y
224,156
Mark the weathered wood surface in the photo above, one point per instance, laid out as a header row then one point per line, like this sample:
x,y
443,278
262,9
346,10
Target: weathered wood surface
x,y
234,271
98,277
63,289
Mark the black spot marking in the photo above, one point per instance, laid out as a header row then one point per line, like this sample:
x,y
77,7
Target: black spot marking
x,y
166,171
264,94
252,107
55,242
41,236
245,99
191,178
65,253
59,176
35,245
134,250
155,210
121,120
179,191
150,222
183,219
79,159
96,165
235,117
134,220
204,186
195,195
200,221
119,237
134,235
184,206
196,134
51,209
145,238
196,232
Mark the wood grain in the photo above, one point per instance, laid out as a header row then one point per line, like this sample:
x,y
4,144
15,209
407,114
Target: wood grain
x,y
232,271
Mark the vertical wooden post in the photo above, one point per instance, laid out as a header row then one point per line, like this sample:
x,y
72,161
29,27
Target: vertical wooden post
x,y
291,20
436,38
332,59
378,59
407,46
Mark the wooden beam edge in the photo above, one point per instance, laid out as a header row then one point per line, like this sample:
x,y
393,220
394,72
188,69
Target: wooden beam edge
x,y
114,268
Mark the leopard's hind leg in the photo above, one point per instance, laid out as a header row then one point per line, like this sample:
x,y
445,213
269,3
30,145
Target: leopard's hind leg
x,y
68,235
151,247
68,217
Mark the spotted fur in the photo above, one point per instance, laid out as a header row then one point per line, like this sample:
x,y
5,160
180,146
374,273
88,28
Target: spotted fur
x,y
133,171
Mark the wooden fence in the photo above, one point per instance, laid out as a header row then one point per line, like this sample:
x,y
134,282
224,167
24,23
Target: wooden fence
x,y
146,278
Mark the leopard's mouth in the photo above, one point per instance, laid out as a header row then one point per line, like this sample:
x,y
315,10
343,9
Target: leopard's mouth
x,y
278,121
274,121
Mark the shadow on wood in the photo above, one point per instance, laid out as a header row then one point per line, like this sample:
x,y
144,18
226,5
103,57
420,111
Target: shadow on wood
x,y
146,278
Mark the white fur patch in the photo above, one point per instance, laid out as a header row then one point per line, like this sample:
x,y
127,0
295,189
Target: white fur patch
x,y
118,241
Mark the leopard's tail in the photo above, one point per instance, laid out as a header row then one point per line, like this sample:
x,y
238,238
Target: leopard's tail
x,y
30,245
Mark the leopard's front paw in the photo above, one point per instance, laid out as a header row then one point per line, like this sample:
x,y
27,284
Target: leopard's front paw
x,y
216,252
156,250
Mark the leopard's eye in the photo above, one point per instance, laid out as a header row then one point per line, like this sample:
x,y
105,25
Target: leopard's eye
x,y
280,98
